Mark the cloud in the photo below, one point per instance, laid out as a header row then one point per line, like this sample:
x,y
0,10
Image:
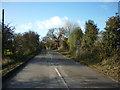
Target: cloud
x,y
53,22
42,26
23,28
56,22
81,24
27,27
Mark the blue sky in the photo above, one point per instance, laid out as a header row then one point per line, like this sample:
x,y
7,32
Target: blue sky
x,y
40,16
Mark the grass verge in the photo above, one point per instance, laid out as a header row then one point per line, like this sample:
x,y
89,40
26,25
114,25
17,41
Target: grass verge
x,y
8,67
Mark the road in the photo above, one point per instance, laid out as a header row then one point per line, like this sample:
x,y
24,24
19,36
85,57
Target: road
x,y
50,69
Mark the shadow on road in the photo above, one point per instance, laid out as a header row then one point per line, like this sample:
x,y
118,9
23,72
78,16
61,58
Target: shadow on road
x,y
51,83
74,70
53,58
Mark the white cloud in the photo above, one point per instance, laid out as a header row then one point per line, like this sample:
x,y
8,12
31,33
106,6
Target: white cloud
x,y
42,26
23,28
27,27
53,22
81,24
56,22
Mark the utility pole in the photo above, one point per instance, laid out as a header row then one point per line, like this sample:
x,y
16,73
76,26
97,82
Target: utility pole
x,y
119,9
2,33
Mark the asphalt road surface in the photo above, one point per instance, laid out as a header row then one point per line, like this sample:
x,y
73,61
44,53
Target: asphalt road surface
x,y
50,69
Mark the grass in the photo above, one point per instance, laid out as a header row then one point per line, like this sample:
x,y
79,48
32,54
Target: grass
x,y
10,68
7,61
10,64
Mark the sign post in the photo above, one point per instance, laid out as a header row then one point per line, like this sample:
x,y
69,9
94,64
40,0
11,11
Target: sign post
x,y
20,47
77,47
2,33
78,43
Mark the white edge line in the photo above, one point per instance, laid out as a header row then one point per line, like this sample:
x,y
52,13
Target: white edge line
x,y
61,77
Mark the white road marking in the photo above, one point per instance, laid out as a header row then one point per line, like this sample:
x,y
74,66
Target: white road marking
x,y
61,78
59,73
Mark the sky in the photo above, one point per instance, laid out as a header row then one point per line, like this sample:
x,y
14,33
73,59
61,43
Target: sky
x,y
41,16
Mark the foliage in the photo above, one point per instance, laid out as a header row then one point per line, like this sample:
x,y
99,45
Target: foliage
x,y
90,35
30,43
74,36
13,52
8,35
98,49
55,38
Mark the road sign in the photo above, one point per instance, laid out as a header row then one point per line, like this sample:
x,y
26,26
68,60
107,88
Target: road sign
x,y
78,43
19,45
19,42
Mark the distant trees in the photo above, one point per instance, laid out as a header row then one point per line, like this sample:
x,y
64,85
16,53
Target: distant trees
x,y
94,45
55,38
68,27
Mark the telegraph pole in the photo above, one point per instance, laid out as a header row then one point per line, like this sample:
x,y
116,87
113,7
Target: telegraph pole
x,y
2,33
119,14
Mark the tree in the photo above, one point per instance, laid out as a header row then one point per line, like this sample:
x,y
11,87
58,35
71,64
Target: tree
x,y
68,27
56,35
16,38
90,36
111,38
8,34
30,41
112,31
75,35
